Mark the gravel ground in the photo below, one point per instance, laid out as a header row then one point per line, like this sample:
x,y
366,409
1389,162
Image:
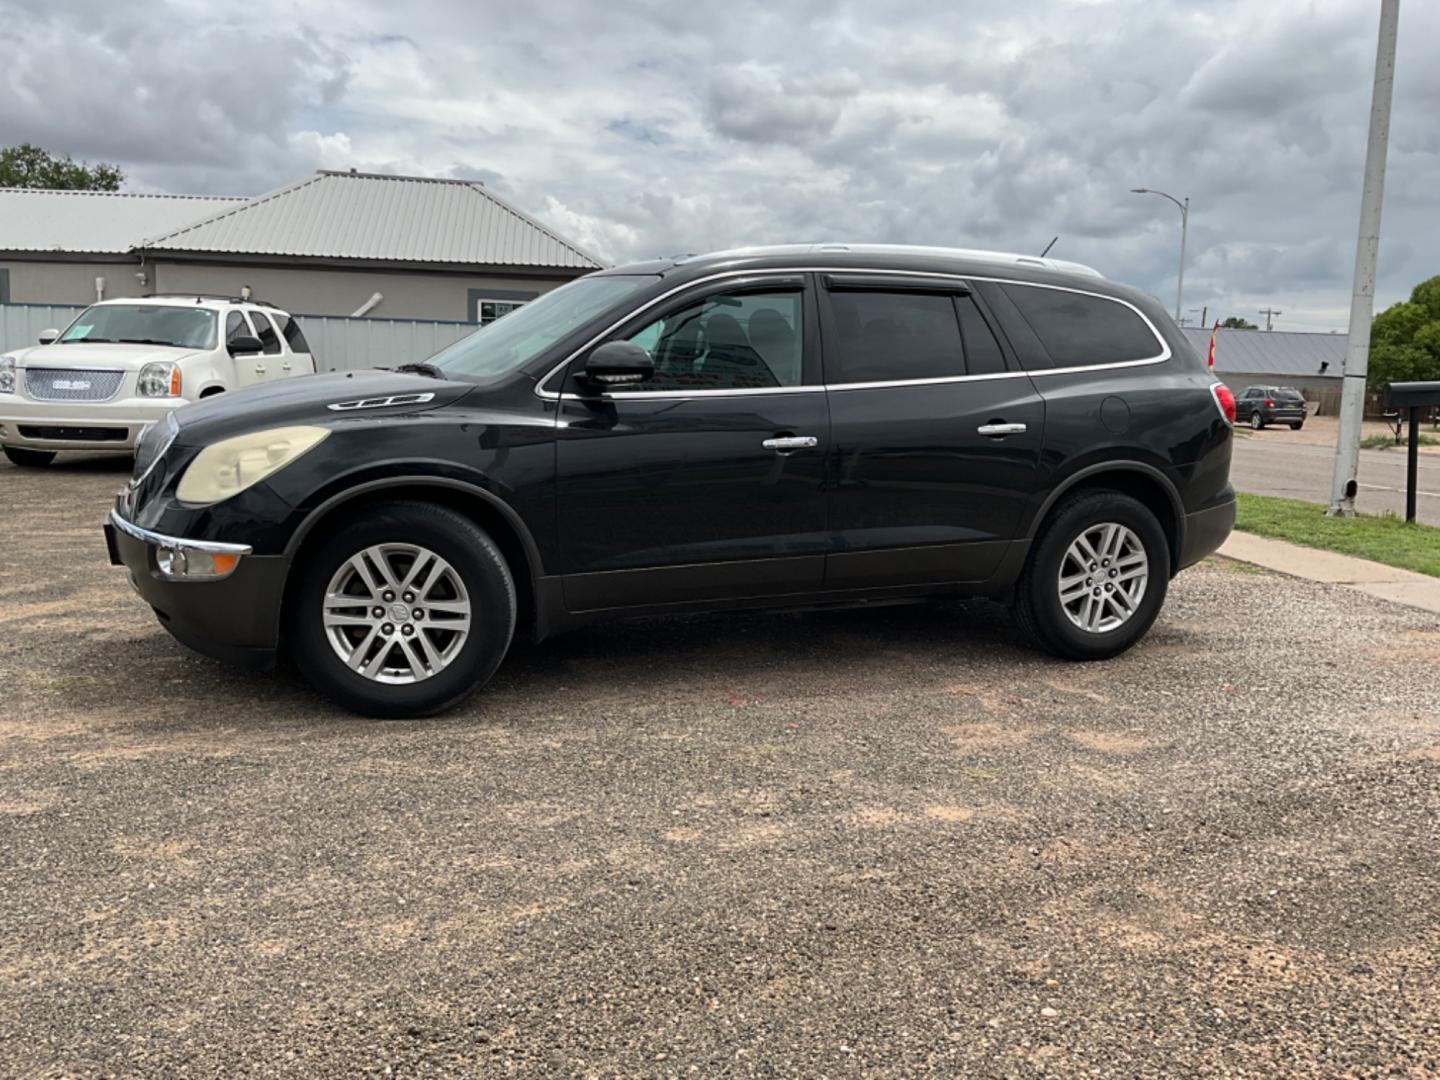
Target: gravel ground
x,y
886,842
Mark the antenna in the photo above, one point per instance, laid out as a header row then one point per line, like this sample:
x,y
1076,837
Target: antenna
x,y
1048,247
1270,314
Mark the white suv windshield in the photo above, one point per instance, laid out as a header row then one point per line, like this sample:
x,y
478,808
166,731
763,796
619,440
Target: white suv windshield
x,y
516,339
144,324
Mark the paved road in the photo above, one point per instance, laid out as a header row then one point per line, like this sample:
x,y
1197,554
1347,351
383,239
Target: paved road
x,y
873,843
1267,463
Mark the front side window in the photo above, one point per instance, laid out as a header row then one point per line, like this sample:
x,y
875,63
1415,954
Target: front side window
x,y
510,343
269,339
744,341
1082,330
894,336
236,326
143,324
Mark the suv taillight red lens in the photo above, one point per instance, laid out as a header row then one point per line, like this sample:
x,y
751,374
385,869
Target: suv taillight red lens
x,y
1269,403
1224,401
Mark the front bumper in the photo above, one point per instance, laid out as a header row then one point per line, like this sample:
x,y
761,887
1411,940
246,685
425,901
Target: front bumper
x,y
69,425
234,618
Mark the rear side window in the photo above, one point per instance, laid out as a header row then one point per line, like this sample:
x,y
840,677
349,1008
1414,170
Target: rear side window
x,y
889,336
269,340
1081,330
982,351
290,328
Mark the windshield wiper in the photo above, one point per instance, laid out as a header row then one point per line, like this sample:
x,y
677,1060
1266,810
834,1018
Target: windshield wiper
x,y
148,341
420,367
87,341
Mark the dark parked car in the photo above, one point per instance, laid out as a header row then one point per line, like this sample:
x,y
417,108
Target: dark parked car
x,y
1261,405
781,427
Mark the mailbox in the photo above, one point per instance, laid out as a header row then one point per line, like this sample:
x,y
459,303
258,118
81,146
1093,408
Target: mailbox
x,y
1412,397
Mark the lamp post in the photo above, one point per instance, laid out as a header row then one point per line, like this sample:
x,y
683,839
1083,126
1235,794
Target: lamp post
x,y
1184,233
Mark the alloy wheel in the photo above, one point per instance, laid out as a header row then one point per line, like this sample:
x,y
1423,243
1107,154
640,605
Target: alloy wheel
x,y
396,613
1103,577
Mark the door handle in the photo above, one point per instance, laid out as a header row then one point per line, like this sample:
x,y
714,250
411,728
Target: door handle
x,y
285,367
259,369
1000,430
785,443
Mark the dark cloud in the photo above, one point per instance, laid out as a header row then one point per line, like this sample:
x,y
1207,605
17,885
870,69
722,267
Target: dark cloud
x,y
650,127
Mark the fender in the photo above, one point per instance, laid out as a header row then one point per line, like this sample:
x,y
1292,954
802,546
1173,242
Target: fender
x,y
1118,465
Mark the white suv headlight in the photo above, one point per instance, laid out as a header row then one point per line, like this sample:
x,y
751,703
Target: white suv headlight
x,y
227,468
159,379
7,374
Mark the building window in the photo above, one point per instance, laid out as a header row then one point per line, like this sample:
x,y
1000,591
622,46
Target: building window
x,y
487,311
4,286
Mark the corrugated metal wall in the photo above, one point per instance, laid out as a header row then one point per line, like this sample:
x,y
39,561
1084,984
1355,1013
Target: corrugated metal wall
x,y
339,343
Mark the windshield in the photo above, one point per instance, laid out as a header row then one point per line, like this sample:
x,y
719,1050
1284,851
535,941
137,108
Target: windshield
x,y
144,324
516,339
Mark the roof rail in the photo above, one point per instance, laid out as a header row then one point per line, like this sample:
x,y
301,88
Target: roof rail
x,y
198,296
1009,257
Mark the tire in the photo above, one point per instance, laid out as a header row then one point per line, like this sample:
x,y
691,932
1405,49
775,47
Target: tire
x,y
29,459
1037,604
474,576
1257,422
1297,427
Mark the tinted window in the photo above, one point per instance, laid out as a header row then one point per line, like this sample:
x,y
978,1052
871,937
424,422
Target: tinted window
x,y
982,351
290,328
884,336
236,326
749,341
1078,329
269,339
1286,394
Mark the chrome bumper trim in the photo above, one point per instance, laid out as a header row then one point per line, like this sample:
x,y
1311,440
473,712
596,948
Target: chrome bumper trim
x,y
214,547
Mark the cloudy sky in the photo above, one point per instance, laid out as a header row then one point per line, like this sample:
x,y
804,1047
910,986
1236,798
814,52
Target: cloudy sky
x,y
647,127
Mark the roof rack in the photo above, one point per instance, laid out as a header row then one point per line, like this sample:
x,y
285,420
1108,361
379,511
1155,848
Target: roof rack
x,y
198,296
1005,257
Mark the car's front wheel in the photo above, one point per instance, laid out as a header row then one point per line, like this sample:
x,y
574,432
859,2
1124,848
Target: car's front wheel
x,y
403,612
1096,578
29,459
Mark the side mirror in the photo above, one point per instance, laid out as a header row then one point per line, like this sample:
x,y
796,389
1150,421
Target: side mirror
x,y
47,336
239,345
617,363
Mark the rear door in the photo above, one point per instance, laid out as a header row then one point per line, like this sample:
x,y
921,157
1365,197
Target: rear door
x,y
250,367
301,360
273,356
706,481
935,439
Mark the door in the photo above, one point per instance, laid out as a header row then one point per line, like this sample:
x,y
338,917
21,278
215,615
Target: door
x,y
249,366
273,357
935,439
704,482
300,360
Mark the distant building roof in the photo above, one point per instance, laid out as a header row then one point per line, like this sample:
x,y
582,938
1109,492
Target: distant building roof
x,y
94,222
1272,352
344,215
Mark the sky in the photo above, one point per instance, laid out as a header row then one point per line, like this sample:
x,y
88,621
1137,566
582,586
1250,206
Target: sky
x,y
640,128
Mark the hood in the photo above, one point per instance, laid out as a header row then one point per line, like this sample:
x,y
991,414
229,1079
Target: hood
x,y
100,356
307,400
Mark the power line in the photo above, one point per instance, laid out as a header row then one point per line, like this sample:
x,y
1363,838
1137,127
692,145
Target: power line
x,y
1270,314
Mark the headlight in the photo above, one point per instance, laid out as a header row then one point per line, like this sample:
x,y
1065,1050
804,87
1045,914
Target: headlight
x,y
160,379
228,468
7,374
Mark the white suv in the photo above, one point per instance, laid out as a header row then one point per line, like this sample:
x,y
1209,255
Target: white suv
x,y
125,363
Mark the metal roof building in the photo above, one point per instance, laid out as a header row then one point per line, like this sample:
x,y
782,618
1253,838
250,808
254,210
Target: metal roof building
x,y
337,243
1309,360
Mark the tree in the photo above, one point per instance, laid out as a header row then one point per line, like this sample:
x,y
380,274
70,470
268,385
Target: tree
x,y
1235,322
1405,338
27,166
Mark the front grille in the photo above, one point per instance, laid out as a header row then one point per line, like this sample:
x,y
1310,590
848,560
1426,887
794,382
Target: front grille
x,y
71,384
75,434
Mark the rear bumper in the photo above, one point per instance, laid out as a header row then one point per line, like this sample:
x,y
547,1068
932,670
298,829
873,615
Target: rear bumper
x,y
235,619
1206,530
68,425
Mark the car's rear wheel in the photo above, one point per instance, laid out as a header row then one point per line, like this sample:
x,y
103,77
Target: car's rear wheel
x,y
1096,578
1256,420
403,612
29,459
1297,426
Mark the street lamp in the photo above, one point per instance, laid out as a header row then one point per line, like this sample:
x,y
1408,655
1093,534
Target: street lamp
x,y
1184,232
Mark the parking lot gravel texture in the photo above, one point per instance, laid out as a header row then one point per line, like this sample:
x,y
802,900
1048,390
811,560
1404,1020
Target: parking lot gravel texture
x,y
886,842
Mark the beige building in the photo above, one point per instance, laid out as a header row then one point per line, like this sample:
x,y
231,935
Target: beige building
x,y
336,243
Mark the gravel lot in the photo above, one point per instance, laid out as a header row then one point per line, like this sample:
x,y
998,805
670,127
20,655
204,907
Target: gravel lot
x,y
864,843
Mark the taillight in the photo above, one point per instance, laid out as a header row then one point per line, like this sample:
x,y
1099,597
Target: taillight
x,y
1224,401
1269,403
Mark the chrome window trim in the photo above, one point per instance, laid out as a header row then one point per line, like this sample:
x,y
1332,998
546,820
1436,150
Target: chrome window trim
x,y
663,395
214,547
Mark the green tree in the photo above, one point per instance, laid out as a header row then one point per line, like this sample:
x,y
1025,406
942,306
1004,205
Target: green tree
x,y
27,166
1235,322
1405,338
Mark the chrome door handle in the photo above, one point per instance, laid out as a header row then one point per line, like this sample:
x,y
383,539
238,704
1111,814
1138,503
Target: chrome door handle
x,y
259,369
285,367
787,443
1001,429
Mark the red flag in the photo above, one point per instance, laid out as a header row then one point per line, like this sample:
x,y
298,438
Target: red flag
x,y
1210,361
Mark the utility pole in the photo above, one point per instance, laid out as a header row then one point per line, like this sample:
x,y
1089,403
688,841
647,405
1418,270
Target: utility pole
x,y
1270,314
1345,483
1184,234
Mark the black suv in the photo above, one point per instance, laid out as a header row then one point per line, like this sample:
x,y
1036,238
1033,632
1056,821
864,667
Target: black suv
x,y
1261,405
778,427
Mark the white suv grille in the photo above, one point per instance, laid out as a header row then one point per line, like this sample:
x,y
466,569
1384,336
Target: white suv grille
x,y
71,384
